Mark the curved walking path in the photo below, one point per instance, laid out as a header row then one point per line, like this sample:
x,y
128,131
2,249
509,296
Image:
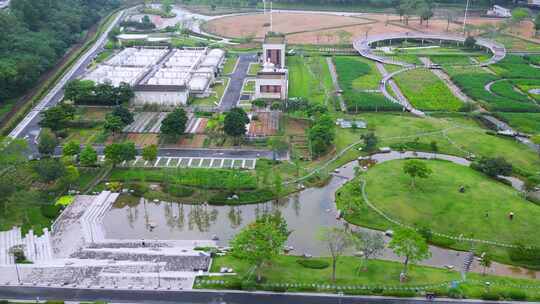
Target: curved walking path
x,y
363,46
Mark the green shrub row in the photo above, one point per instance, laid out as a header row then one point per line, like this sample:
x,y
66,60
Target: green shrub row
x,y
194,177
313,263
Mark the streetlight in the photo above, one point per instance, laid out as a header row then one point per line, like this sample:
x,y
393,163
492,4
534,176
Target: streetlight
x,y
16,266
158,276
465,17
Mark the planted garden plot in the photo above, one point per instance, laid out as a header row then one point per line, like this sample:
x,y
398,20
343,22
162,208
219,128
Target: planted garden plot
x,y
184,162
174,162
264,124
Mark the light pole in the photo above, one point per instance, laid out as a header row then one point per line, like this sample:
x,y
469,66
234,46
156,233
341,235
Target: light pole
x,y
158,276
16,269
465,17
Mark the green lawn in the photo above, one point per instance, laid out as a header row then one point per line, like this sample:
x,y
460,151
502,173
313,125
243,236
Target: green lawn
x,y
466,135
425,91
254,68
230,64
309,78
249,86
286,270
437,203
213,99
523,122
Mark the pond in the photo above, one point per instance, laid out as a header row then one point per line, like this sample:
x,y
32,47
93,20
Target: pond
x,y
305,212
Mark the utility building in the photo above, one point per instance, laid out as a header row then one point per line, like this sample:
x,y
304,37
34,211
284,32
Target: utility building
x,y
272,81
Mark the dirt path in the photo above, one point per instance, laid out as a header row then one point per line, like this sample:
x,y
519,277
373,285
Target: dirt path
x,y
333,73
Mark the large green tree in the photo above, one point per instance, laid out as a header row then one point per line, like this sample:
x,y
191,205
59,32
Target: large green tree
x,y
174,124
416,169
410,245
336,240
57,117
260,241
88,157
235,123
47,142
117,153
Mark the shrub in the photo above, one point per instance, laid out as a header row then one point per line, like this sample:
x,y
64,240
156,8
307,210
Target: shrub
x,y
399,293
516,295
456,293
248,285
493,166
491,296
139,189
65,200
178,190
313,263
525,255
50,211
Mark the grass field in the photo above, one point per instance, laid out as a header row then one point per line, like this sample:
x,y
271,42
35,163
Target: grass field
x,y
425,91
437,203
254,68
249,86
462,135
514,66
356,75
230,64
516,44
507,89
309,78
523,122
286,270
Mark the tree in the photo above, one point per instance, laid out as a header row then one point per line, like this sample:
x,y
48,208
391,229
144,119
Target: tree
x,y
519,14
174,124
71,176
493,167
470,42
47,142
322,134
167,6
235,123
150,153
410,245
12,152
88,157
370,141
113,124
260,241
536,24
278,184
344,37
71,148
426,13
49,170
120,152
337,240
57,117
370,244
124,114
415,168
485,262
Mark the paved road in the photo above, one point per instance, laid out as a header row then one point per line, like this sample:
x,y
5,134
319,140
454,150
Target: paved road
x,y
29,127
335,81
214,297
232,95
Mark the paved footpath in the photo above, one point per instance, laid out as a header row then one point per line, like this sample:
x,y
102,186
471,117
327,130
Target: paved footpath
x,y
335,81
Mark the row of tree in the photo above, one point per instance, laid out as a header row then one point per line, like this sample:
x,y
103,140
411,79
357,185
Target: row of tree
x,y
36,34
263,240
87,92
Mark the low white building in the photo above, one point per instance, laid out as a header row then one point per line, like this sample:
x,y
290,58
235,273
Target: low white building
x,y
162,76
499,11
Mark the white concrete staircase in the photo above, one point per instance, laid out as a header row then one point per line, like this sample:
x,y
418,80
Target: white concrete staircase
x,y
36,248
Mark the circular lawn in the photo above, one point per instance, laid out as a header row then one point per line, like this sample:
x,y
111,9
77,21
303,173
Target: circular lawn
x,y
481,211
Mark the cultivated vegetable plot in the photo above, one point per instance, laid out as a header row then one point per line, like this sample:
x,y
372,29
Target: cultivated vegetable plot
x,y
191,162
426,92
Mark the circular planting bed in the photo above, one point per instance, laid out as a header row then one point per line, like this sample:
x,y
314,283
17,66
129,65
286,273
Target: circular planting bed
x,y
481,211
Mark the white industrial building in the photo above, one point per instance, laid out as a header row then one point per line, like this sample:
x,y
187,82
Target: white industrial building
x,y
162,76
272,81
499,11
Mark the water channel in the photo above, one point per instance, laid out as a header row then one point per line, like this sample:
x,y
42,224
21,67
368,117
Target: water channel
x,y
305,212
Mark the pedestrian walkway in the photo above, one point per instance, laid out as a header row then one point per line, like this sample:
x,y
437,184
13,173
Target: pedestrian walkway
x,y
191,162
234,89
335,81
